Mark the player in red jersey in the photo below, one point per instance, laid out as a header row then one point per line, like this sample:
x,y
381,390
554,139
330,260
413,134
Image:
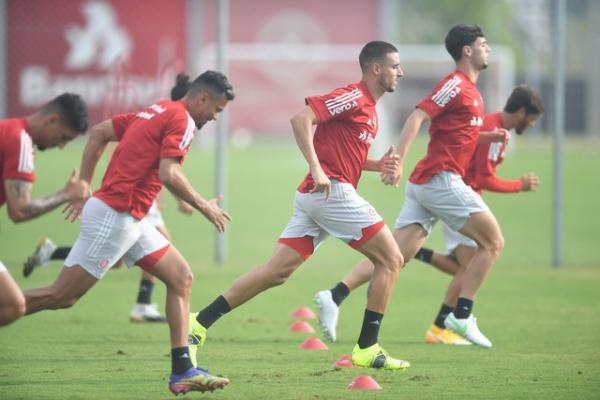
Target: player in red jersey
x,y
143,310
152,146
327,203
54,125
435,189
522,109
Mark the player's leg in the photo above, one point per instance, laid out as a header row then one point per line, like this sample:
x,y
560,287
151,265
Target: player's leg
x,y
143,310
72,283
387,260
444,262
12,302
153,253
45,251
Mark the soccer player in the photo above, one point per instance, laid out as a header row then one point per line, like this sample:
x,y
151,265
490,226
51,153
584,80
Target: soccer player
x,y
54,125
435,189
152,146
522,109
143,310
327,203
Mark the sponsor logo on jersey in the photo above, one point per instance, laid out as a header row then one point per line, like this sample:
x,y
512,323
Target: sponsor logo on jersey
x,y
447,92
366,137
476,121
344,102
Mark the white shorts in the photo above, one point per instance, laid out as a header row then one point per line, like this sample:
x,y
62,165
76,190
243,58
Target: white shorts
x,y
444,197
106,235
2,267
154,216
345,215
454,239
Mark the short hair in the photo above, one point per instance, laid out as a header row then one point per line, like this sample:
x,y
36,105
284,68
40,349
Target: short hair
x,y
525,97
72,110
460,36
214,82
182,84
374,51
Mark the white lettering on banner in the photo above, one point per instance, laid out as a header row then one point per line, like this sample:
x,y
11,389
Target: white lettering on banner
x,y
447,92
37,86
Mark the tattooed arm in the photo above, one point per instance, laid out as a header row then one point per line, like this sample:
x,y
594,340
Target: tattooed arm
x,y
21,207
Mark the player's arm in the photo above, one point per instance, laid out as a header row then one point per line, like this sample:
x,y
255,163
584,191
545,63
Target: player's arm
x,y
21,207
387,163
101,134
407,136
497,135
527,183
172,176
303,133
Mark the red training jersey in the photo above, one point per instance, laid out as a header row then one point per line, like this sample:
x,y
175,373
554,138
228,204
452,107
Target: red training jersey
x,y
16,153
456,110
131,181
347,125
481,173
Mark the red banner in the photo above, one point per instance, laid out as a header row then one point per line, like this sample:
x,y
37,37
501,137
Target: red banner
x,y
118,55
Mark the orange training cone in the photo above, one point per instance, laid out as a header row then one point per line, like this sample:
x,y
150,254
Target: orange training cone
x,y
345,361
301,326
313,343
364,382
303,312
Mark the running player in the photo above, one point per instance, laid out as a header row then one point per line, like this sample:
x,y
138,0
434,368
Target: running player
x,y
152,146
522,109
435,189
143,310
327,202
54,125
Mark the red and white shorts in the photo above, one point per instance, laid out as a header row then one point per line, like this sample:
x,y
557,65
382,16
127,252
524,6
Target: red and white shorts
x,y
345,215
106,235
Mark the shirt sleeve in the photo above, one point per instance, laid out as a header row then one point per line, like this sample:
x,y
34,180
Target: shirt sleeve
x,y
485,173
17,160
442,98
338,104
121,122
179,132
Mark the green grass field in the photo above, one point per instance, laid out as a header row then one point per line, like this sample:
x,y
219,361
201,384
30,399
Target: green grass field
x,y
544,322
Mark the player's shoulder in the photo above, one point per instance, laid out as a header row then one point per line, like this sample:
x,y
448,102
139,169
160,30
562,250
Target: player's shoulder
x,y
11,129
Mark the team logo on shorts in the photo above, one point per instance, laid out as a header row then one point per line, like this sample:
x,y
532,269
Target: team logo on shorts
x,y
372,212
103,263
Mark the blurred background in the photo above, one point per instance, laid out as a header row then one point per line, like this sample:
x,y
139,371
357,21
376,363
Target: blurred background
x,y
122,55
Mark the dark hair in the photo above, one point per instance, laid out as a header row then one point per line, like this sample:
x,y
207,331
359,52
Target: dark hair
x,y
525,97
214,82
460,36
374,51
72,110
182,84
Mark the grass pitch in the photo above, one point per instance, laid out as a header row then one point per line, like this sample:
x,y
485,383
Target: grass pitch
x,y
544,322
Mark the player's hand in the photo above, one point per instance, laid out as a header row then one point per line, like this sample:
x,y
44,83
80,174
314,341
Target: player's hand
x,y
72,212
215,214
322,182
184,207
77,191
529,182
389,162
393,177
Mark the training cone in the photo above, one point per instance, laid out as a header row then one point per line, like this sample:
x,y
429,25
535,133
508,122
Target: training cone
x,y
345,361
301,326
303,312
313,343
364,382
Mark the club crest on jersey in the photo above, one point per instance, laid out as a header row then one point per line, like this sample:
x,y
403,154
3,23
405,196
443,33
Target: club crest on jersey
x,y
476,121
449,91
366,137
